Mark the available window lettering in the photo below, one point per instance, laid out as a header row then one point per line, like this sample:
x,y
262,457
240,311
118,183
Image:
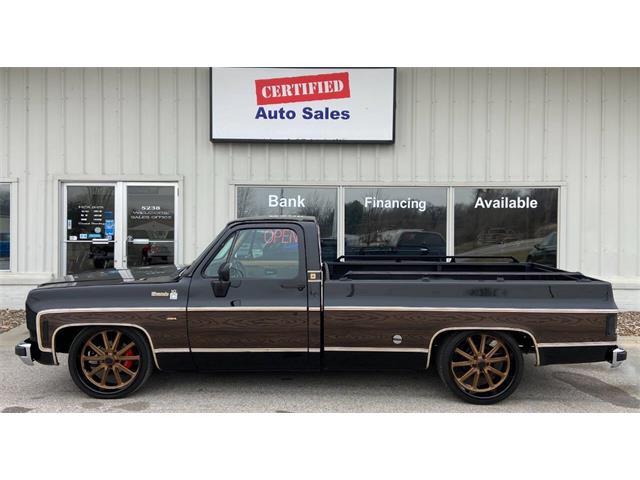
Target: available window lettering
x,y
506,202
408,203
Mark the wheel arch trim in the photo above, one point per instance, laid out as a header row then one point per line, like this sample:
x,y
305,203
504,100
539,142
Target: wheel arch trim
x,y
496,329
107,324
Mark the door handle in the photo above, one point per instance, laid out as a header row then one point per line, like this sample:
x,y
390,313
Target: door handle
x,y
299,286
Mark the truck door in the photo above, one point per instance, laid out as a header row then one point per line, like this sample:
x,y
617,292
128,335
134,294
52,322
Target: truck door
x,y
257,319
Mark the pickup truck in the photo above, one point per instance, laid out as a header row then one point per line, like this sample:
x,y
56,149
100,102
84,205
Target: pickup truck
x,y
260,298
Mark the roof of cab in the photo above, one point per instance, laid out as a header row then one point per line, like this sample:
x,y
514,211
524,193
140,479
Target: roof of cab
x,y
274,218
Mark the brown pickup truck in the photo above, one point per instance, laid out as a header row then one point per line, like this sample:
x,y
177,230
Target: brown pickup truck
x,y
261,298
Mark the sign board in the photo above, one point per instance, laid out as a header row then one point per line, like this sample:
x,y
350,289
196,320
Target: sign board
x,y
303,105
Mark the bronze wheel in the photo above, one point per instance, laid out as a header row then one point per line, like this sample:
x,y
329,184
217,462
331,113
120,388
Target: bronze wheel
x,y
481,363
481,366
110,362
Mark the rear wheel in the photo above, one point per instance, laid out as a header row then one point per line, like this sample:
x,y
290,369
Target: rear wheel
x,y
481,367
110,362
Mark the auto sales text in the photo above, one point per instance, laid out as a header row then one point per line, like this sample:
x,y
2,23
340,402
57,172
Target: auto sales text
x,y
308,113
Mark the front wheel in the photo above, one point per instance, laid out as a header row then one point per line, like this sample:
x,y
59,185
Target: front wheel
x,y
109,361
481,367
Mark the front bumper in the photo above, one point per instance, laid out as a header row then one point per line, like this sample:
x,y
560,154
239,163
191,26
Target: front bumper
x,y
23,350
29,352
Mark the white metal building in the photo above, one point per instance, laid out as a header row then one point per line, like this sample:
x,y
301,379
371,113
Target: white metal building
x,y
143,135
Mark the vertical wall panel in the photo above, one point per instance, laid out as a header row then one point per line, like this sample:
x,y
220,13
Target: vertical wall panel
x,y
131,121
149,120
571,127
111,121
92,113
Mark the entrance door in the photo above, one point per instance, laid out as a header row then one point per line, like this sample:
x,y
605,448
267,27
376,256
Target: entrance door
x,y
260,321
151,225
90,239
118,225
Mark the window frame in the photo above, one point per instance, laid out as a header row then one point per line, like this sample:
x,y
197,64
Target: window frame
x,y
559,213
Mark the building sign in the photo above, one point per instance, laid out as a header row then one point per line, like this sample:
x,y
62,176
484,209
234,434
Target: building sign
x,y
303,104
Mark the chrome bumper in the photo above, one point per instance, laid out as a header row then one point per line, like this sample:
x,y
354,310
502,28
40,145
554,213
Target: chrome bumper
x,y
23,350
618,355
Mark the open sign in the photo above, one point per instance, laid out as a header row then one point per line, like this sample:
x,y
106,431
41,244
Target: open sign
x,y
280,235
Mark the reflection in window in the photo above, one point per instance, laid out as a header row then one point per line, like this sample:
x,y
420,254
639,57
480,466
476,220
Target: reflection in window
x,y
5,224
520,222
395,221
318,202
84,257
265,254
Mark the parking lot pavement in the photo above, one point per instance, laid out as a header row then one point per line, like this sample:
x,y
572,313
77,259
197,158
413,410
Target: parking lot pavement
x,y
562,388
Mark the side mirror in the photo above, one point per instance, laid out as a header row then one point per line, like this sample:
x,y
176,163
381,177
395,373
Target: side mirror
x,y
224,272
537,246
221,285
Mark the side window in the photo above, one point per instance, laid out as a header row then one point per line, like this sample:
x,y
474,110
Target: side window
x,y
219,259
266,254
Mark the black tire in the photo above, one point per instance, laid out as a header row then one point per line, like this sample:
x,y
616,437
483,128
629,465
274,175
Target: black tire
x,y
494,388
143,366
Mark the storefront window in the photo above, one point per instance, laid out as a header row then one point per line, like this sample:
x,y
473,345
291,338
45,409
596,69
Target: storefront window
x,y
318,202
395,221
5,223
517,222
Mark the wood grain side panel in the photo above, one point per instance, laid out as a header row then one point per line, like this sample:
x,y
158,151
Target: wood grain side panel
x,y
377,328
315,323
260,329
164,333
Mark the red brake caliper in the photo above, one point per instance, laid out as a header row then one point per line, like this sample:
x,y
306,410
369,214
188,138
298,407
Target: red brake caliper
x,y
128,363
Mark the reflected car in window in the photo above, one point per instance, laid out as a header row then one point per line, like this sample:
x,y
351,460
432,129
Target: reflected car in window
x,y
399,242
545,252
493,236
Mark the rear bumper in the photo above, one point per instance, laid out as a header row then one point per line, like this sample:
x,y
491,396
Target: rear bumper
x,y
617,356
613,354
29,352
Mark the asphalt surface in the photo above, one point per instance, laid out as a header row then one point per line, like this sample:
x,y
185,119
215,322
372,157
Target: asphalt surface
x,y
561,388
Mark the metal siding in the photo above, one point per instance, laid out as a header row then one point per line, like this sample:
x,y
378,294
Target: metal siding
x,y
576,127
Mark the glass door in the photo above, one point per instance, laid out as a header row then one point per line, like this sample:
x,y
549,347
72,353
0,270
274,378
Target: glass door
x,y
89,243
150,224
118,225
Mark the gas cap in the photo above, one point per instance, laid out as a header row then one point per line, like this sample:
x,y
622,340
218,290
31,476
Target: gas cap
x,y
397,339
